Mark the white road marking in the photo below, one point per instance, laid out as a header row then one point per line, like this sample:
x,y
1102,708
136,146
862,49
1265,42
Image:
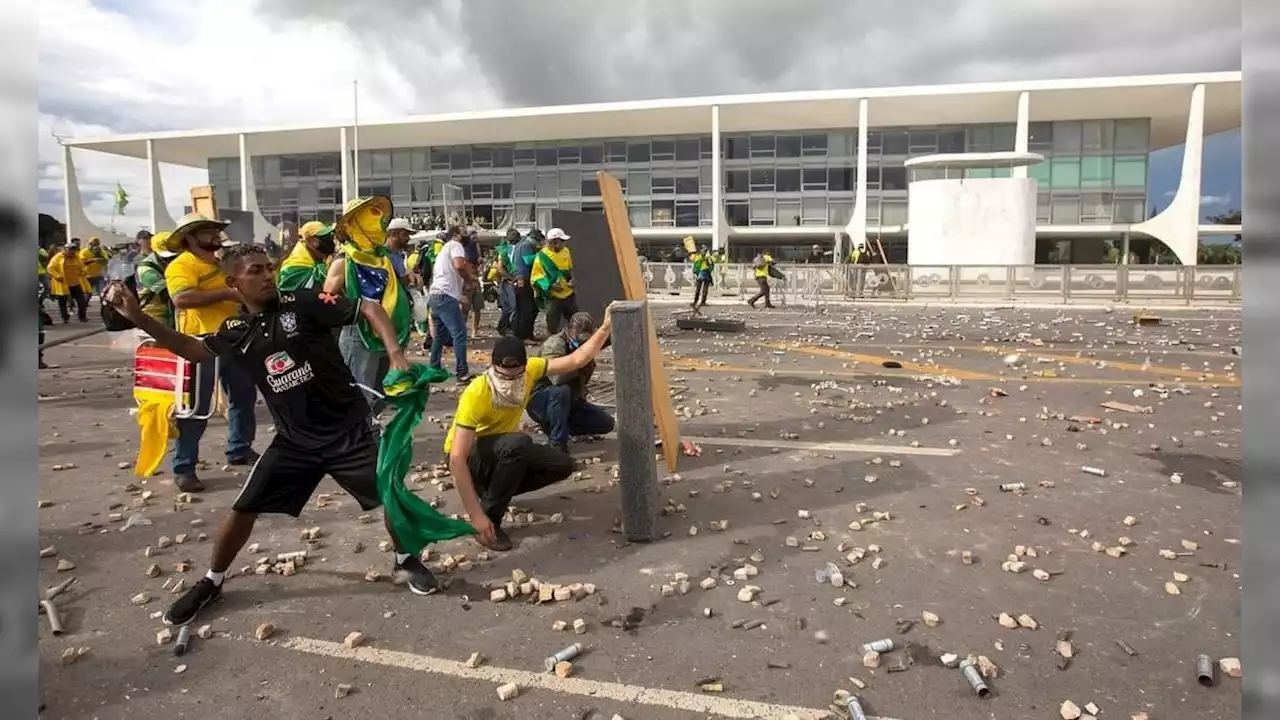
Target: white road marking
x,y
825,446
634,694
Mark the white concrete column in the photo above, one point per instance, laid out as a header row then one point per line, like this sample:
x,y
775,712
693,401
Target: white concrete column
x,y
246,167
70,190
719,238
160,218
1178,226
1022,138
857,227
346,166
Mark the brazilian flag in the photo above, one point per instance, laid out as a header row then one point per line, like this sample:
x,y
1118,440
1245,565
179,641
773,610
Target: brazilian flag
x,y
300,270
413,522
371,275
544,276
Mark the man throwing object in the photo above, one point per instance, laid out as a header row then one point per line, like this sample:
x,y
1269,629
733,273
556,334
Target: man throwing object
x,y
559,404
323,425
491,460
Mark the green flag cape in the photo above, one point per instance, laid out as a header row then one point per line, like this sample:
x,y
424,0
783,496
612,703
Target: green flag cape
x,y
414,523
370,274
551,275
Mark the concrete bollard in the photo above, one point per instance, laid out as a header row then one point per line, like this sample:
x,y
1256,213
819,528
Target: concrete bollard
x,y
637,469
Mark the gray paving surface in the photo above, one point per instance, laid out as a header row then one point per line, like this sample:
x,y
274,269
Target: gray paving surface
x,y
755,390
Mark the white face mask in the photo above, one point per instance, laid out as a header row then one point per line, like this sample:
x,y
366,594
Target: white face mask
x,y
508,392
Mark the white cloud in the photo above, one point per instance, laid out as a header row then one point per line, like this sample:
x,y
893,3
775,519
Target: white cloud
x,y
1215,199
106,71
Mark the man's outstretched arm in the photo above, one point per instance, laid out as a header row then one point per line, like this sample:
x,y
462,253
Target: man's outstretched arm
x,y
188,346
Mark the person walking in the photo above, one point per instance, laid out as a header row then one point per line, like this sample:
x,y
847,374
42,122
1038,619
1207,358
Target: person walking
x,y
67,283
522,256
445,297
762,265
703,266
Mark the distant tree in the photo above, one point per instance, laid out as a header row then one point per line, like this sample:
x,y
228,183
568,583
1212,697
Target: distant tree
x,y
1230,217
1218,254
52,231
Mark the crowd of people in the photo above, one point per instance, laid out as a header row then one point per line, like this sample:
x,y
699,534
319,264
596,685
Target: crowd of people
x,y
317,328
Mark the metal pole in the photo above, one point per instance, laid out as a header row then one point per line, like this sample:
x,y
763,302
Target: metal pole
x,y
355,136
72,338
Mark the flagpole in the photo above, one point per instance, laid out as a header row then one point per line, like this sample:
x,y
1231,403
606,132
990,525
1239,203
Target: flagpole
x,y
355,144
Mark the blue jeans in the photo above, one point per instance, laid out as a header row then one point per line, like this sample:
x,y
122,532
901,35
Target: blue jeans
x,y
560,416
241,424
367,368
507,303
446,312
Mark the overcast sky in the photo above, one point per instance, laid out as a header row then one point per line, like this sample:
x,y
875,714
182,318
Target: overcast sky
x,y
116,66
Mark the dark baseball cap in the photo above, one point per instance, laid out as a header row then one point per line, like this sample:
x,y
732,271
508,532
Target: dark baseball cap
x,y
509,353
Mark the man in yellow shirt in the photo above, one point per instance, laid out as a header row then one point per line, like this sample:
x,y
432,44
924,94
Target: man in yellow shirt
x,y
67,283
198,289
95,261
762,265
490,459
552,279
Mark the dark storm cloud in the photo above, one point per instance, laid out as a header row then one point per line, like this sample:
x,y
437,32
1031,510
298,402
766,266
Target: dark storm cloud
x,y
540,52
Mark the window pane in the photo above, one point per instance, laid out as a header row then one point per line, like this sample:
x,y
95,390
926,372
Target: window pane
x,y
762,210
763,145
525,157
840,179
615,152
980,138
418,164
502,190
788,213
547,157
839,212
1040,136
814,179
687,186
1096,171
687,213
439,159
637,183
639,213
762,179
924,140
687,149
638,152
841,144
977,172
951,141
1131,171
1095,208
663,185
736,148
893,178
813,145
570,182
525,182
481,157
503,157
788,180
664,212
704,147
1097,135
1040,173
895,142
592,154
590,185
813,210
736,212
1129,210
1065,172
1066,138
460,158
1066,211
736,181
663,150
481,190
704,178
893,212
548,187
569,155
788,146
1004,137
1043,207
1132,136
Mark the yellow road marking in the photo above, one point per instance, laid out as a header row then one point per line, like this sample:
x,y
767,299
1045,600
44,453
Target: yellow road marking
x,y
957,373
1116,364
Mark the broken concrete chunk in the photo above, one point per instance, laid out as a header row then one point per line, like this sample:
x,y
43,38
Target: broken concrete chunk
x,y
353,640
65,565
1069,710
205,632
164,637
341,691
1231,667
474,661
498,595
1028,622
564,669
1181,577
871,660
508,691
748,593
140,599
579,627
1065,649
707,583
559,626
264,631
1190,545
163,542
1172,588
1006,620
930,619
48,552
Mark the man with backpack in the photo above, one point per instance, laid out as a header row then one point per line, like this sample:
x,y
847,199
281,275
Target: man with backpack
x,y
153,292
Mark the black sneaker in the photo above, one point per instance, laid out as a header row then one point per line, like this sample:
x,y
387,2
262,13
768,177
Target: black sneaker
x,y
188,482
562,447
464,378
192,602
248,458
420,580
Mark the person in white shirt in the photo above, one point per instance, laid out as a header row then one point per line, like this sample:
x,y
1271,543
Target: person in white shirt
x,y
449,278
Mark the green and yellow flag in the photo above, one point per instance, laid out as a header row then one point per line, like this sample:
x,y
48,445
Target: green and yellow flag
x,y
122,199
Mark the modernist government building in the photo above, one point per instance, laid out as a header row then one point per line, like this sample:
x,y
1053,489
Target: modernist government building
x,y
1005,172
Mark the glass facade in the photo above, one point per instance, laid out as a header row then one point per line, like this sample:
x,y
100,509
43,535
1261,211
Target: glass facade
x,y
1095,171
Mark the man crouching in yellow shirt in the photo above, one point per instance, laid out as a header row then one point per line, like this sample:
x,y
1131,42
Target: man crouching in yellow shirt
x,y
490,459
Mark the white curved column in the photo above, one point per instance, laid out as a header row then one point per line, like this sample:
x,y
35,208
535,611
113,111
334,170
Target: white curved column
x,y
857,227
719,234
1178,226
78,223
249,195
161,221
1022,134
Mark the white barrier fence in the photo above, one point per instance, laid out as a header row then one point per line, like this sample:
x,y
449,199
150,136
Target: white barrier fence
x,y
810,284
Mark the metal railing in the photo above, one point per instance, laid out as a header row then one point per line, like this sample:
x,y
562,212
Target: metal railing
x,y
814,284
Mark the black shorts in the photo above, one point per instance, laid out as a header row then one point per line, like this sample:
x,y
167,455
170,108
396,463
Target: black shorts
x,y
286,475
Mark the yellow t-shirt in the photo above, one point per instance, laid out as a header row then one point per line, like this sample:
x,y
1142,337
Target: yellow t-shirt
x,y
763,270
476,411
188,272
95,261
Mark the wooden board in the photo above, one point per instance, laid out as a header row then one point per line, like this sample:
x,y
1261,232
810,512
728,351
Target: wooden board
x,y
628,264
599,282
203,201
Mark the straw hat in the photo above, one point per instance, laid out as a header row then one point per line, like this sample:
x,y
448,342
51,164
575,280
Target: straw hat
x,y
161,245
355,205
192,221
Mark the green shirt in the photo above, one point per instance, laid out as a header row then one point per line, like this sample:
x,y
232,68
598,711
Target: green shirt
x,y
153,291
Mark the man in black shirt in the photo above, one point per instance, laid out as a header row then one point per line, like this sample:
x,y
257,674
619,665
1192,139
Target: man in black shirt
x,y
286,342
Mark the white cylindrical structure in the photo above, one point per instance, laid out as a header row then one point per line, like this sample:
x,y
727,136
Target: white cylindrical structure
x,y
976,221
